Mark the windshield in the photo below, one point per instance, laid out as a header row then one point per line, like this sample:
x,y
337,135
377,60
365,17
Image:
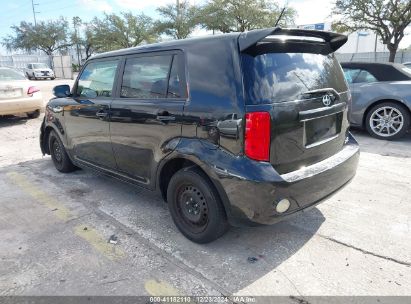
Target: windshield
x,y
9,74
407,70
40,66
278,77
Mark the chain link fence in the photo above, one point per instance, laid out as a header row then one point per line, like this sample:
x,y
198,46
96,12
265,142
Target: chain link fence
x,y
400,57
60,64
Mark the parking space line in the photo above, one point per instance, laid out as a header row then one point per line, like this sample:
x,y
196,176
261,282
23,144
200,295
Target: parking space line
x,y
40,196
158,288
110,251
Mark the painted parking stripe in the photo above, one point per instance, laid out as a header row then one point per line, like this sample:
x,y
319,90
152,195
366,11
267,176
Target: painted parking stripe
x,y
95,239
158,288
40,196
90,235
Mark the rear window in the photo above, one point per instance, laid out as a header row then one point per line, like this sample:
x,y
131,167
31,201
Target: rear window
x,y
280,77
151,77
146,77
9,74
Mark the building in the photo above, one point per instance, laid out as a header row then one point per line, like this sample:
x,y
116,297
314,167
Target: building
x,y
358,42
363,42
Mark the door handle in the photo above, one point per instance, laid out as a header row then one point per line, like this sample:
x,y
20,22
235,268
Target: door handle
x,y
101,114
165,116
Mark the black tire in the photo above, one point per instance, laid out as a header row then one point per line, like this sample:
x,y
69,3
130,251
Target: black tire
x,y
59,155
398,108
34,114
190,189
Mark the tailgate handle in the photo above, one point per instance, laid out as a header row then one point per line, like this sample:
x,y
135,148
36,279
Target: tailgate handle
x,y
321,112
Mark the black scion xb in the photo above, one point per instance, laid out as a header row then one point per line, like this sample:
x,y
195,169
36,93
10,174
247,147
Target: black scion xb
x,y
234,129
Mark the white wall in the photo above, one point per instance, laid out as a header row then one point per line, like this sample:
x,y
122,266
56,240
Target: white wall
x,y
366,43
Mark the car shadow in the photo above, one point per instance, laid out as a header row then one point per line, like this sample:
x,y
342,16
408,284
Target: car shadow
x,y
11,120
233,262
397,148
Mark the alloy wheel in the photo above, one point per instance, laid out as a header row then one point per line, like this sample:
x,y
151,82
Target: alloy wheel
x,y
386,121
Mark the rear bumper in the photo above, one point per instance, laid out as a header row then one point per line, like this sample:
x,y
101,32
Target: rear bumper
x,y
253,201
21,105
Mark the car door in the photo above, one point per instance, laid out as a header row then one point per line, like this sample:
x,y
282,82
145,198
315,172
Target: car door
x,y
146,115
87,120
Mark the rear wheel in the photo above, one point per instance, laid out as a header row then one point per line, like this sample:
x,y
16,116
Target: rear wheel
x,y
195,206
388,120
59,155
34,114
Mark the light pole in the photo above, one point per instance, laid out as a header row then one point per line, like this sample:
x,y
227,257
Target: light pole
x,y
34,11
76,22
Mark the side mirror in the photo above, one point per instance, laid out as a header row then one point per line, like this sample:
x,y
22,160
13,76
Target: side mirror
x,y
61,91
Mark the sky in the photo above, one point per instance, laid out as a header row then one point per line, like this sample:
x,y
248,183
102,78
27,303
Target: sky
x,y
12,12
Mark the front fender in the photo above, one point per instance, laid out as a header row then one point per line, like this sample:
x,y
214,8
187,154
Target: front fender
x,y
52,121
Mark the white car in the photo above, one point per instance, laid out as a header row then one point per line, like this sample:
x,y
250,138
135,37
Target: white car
x,y
18,95
39,71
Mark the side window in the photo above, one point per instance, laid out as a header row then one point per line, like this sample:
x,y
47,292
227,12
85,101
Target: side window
x,y
174,81
146,77
365,76
29,66
97,79
351,74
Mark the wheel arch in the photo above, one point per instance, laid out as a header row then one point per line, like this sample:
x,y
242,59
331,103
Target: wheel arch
x,y
178,161
380,101
45,138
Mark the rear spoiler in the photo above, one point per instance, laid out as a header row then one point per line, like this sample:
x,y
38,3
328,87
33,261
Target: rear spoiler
x,y
333,40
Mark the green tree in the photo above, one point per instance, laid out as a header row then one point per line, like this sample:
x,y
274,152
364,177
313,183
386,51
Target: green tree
x,y
83,36
388,19
243,15
47,36
177,21
121,31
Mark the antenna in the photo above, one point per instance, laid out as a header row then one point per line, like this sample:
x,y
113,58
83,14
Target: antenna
x,y
279,17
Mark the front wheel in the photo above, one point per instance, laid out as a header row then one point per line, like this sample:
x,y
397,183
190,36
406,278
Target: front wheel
x,y
59,155
388,120
195,206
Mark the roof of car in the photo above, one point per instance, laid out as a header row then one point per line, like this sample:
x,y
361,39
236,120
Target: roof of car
x,y
383,71
172,44
245,40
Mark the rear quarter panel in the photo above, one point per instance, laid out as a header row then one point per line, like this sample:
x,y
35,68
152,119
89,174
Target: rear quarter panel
x,y
215,93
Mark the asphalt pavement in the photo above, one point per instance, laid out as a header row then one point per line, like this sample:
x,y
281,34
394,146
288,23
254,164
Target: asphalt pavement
x,y
56,230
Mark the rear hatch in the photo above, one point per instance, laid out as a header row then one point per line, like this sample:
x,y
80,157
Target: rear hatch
x,y
294,76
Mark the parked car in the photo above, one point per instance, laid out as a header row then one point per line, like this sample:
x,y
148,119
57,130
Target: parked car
x,y
381,98
18,95
39,71
152,117
407,64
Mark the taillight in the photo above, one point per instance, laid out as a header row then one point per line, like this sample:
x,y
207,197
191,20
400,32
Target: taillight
x,y
32,90
257,135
